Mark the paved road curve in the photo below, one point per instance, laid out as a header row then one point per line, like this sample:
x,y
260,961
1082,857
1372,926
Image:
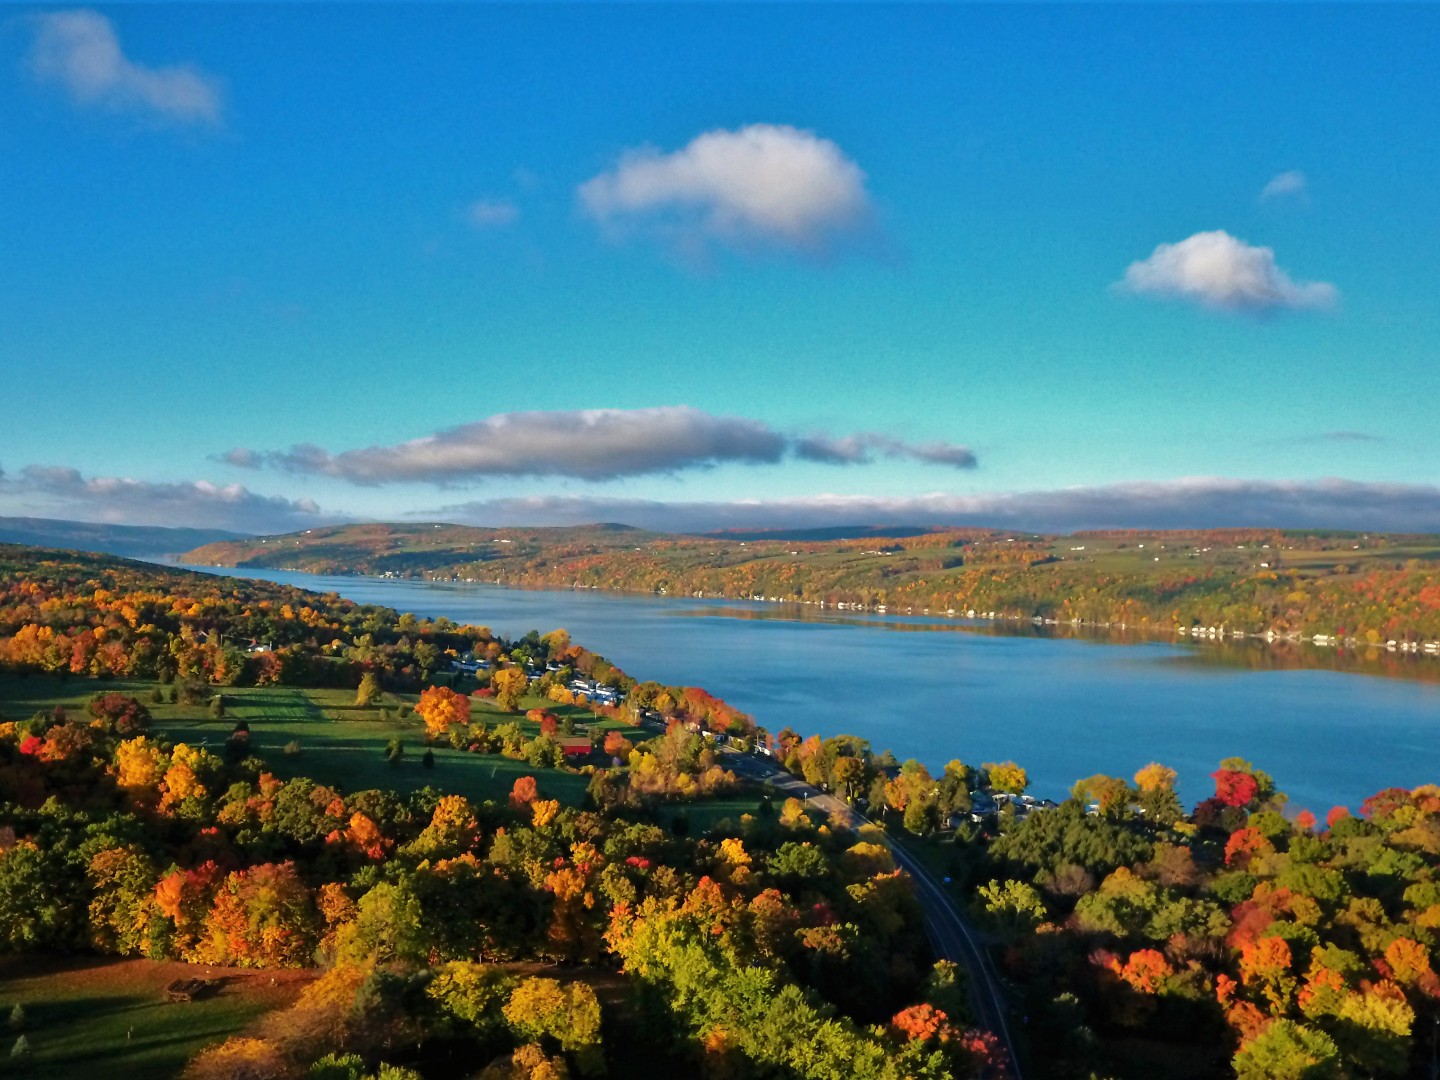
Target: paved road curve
x,y
950,936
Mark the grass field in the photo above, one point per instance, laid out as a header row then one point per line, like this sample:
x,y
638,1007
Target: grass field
x,y
704,816
23,696
109,1018
341,744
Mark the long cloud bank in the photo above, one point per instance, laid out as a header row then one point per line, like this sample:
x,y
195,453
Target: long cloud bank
x,y
1199,502
591,445
59,491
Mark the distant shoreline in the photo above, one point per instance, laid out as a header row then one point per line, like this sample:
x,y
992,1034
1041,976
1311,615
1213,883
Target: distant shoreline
x,y
852,611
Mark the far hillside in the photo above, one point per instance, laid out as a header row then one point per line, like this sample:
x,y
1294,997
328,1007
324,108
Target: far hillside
x,y
1374,589
128,540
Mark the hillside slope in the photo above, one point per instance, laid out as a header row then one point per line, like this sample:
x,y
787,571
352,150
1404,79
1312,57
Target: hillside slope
x,y
1372,589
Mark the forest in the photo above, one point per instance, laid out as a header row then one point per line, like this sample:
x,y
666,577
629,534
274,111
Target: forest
x,y
672,916
1369,590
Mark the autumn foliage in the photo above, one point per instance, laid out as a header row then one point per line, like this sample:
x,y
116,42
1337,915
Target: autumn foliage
x,y
441,708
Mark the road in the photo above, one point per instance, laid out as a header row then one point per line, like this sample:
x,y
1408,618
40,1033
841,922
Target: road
x,y
950,936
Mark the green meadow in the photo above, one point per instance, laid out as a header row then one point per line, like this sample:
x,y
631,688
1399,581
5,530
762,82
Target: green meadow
x,y
331,739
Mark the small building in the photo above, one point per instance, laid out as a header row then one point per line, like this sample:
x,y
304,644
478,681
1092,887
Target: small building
x,y
575,746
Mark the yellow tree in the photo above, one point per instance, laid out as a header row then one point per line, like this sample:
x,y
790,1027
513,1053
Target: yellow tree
x,y
452,829
1007,776
139,768
183,778
1154,777
509,684
368,691
540,1008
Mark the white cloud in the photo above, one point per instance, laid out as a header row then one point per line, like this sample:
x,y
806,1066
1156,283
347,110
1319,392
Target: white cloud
x,y
862,448
1219,271
1196,502
79,52
491,213
1286,183
761,185
590,444
60,491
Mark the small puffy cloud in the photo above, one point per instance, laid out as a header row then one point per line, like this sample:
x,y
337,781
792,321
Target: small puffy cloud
x,y
1290,183
242,458
60,491
1219,271
491,213
79,52
1199,502
764,185
591,445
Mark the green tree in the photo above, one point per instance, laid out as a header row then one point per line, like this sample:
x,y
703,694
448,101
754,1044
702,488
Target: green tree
x,y
1288,1051
337,1067
472,994
848,773
920,816
1014,906
35,911
388,926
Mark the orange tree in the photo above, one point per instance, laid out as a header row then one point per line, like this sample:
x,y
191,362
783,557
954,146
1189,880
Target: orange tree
x,y
440,707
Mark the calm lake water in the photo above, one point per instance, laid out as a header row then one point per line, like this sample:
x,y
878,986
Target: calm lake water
x,y
1063,708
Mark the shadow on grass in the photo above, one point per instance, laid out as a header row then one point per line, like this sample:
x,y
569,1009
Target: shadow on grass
x,y
70,1034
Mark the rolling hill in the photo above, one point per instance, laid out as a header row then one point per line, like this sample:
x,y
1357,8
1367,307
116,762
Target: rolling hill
x,y
128,540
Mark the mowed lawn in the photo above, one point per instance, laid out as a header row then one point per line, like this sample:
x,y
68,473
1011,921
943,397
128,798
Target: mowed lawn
x,y
108,1018
340,744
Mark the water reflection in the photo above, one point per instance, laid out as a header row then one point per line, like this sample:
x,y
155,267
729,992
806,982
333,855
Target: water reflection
x,y
1250,654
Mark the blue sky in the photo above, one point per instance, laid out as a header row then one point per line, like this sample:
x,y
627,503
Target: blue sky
x,y
1058,266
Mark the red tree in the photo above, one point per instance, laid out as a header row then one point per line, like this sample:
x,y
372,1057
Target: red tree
x,y
1235,788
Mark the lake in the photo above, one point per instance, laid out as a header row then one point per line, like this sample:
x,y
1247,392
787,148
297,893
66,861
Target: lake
x,y
1062,708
